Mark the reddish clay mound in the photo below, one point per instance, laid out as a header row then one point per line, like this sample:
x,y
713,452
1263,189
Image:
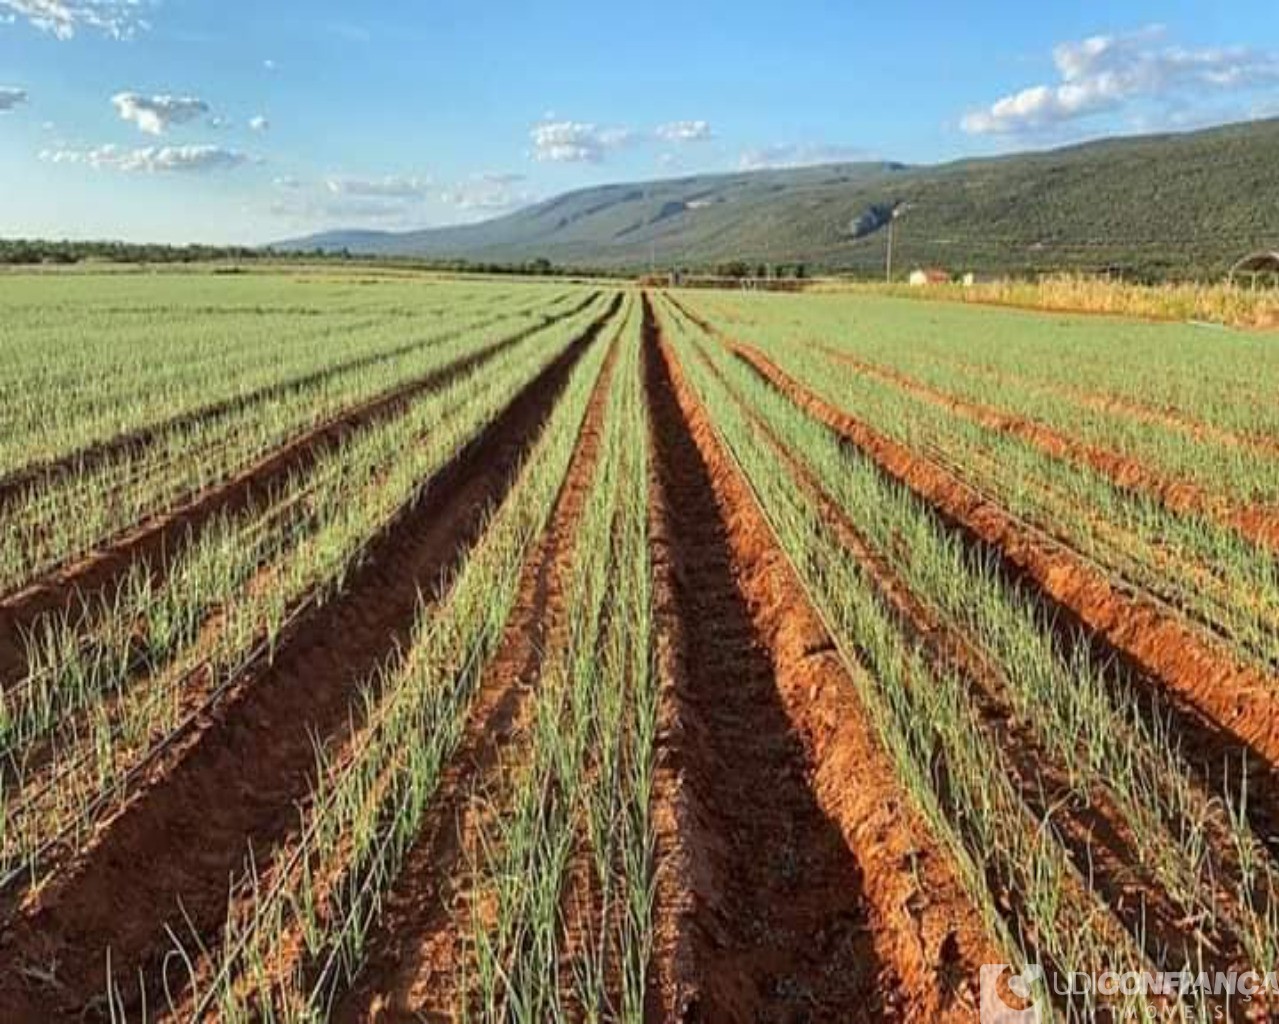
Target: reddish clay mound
x,y
418,950
102,571
169,854
1258,524
789,893
1237,701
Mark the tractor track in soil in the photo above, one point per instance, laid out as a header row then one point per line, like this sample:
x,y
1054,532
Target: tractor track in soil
x,y
234,786
1222,707
150,540
798,884
1094,830
418,948
1259,523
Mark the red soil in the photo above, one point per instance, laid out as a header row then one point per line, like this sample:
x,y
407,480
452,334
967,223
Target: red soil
x,y
1258,524
236,781
1095,830
1123,405
141,438
159,535
419,946
799,884
1205,680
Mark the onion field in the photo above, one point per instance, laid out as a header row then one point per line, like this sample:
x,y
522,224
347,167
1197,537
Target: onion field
x,y
379,647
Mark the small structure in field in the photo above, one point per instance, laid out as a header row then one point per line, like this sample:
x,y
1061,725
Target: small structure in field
x,y
971,279
928,275
1263,265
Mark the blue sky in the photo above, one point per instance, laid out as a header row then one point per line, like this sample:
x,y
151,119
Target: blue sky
x,y
230,121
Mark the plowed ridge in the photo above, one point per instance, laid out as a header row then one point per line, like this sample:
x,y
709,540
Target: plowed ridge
x,y
239,777
151,540
789,831
417,953
1259,524
1237,699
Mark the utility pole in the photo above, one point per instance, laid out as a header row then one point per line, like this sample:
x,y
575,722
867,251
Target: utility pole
x,y
892,224
888,270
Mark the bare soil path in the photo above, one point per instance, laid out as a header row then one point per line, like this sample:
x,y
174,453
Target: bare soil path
x,y
799,885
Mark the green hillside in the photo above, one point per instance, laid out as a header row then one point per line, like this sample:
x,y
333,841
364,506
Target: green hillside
x,y
1158,206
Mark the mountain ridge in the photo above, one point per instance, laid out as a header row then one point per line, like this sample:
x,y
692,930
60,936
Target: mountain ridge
x,y
1181,205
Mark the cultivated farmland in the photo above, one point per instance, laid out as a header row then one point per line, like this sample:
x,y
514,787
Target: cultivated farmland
x,y
380,647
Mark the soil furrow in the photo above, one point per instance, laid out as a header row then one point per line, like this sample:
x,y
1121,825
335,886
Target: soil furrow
x,y
169,853
139,439
1224,708
799,884
1122,405
152,539
417,954
1259,524
1091,825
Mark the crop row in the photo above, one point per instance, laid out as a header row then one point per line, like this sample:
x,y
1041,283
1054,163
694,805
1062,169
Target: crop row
x,y
57,520
301,932
562,884
1215,377
949,713
103,710
122,368
1219,580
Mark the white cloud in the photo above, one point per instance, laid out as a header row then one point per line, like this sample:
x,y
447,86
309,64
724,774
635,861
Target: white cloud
x,y
150,159
684,131
576,141
787,154
303,204
488,193
390,187
11,97
156,114
259,124
349,32
399,202
119,19
1264,109
1107,72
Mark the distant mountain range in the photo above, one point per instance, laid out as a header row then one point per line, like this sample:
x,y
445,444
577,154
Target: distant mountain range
x,y
1180,205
